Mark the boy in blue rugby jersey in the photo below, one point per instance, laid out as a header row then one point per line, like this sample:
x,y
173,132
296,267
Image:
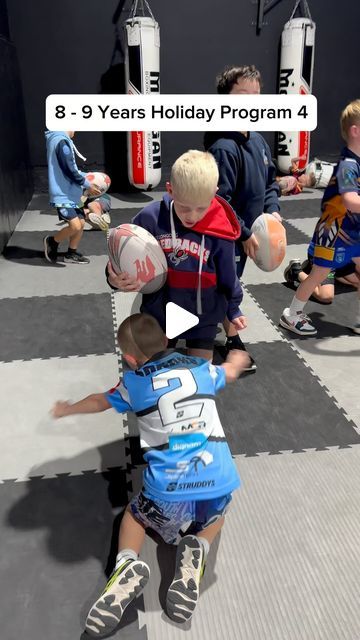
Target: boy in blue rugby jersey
x,y
336,239
190,473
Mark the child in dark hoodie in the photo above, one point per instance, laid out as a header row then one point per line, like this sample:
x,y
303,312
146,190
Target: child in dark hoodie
x,y
247,175
196,230
66,184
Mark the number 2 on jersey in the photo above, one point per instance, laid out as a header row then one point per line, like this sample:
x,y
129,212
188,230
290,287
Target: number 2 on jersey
x,y
172,406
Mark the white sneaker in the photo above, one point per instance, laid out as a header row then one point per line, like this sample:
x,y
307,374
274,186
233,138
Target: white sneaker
x,y
299,323
98,222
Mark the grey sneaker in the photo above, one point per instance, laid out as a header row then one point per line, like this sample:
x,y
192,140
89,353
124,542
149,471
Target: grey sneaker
x,y
76,258
125,584
50,249
299,323
183,592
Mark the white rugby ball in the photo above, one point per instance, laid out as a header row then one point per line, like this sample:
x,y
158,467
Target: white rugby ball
x,y
134,250
100,181
271,236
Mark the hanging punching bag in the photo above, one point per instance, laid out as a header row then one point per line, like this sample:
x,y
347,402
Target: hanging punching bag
x,y
296,75
142,76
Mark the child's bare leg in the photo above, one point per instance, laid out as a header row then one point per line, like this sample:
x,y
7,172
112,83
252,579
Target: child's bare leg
x,y
131,534
210,532
75,226
309,284
78,230
127,581
323,292
95,207
352,280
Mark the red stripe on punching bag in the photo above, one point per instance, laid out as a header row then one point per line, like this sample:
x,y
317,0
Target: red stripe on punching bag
x,y
138,156
304,140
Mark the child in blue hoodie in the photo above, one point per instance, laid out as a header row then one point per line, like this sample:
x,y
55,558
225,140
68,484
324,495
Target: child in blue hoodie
x,y
197,231
247,175
66,184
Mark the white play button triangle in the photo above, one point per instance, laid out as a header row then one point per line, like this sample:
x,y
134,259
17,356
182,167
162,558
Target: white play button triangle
x,y
178,320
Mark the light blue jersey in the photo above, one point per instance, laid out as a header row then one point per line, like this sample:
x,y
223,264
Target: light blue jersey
x,y
173,396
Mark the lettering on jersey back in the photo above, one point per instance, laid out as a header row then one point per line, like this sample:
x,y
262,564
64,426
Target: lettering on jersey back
x,y
148,369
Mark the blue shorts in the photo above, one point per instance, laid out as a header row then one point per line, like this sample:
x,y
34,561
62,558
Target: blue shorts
x,y
173,519
69,213
335,242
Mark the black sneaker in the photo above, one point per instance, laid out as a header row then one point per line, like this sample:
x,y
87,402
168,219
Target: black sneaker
x,y
291,273
229,346
50,249
76,258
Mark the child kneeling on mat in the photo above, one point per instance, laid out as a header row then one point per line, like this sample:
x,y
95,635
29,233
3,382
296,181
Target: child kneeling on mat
x,y
190,473
293,184
336,239
96,211
197,231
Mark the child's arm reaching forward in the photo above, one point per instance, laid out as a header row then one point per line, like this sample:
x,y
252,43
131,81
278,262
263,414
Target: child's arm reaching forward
x,y
236,362
94,403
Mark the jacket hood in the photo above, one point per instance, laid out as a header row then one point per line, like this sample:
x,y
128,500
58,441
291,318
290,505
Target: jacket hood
x,y
53,135
220,220
213,136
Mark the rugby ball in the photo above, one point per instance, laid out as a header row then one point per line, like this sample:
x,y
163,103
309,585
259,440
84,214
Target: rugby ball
x,y
99,180
271,236
134,250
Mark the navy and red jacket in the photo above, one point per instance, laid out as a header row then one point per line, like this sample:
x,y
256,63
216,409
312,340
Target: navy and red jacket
x,y
247,175
208,288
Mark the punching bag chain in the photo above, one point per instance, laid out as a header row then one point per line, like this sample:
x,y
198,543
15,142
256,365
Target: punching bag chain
x,y
306,9
143,3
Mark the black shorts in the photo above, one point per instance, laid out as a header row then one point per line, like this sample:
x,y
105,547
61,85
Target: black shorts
x,y
194,343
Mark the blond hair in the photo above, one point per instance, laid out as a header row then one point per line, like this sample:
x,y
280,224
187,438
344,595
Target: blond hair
x,y
141,336
194,177
349,117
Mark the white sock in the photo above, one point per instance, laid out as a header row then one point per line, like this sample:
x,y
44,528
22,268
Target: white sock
x,y
296,306
123,555
205,545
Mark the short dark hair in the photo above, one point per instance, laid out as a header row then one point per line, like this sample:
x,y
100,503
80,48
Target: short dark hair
x,y
230,76
141,335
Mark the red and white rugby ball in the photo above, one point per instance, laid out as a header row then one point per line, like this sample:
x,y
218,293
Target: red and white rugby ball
x,y
100,181
271,236
134,250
